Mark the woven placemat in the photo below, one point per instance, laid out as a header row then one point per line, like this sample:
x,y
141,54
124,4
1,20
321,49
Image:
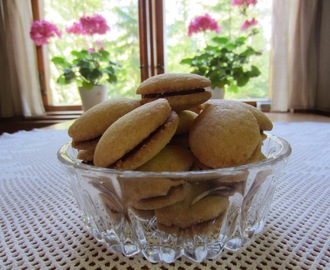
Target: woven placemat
x,y
41,227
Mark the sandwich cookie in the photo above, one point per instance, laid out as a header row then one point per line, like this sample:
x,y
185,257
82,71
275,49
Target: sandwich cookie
x,y
151,193
86,156
186,118
181,137
136,137
199,209
88,128
225,134
263,121
172,158
110,196
183,91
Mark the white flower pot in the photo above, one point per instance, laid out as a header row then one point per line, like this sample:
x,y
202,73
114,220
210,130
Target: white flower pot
x,y
92,97
217,93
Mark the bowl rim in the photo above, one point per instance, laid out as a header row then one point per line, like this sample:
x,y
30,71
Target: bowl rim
x,y
283,153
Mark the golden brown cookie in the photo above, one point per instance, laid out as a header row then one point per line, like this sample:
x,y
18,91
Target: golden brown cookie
x,y
263,120
110,196
137,136
113,210
224,134
172,158
151,193
85,145
86,156
200,205
186,118
183,91
151,146
207,227
256,154
94,122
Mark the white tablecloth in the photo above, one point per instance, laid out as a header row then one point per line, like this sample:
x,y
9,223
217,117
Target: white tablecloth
x,y
41,227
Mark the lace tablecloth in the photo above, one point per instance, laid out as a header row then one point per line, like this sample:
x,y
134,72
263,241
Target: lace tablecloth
x,y
41,227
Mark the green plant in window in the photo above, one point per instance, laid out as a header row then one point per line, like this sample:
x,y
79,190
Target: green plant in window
x,y
87,67
226,61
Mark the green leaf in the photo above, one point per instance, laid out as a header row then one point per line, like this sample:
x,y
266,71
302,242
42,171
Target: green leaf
x,y
95,74
82,63
66,77
61,80
60,61
87,85
186,61
80,54
231,46
104,54
240,40
232,88
242,80
220,40
110,70
112,78
254,72
85,71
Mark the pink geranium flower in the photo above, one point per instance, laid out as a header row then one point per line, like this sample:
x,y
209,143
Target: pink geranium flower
x,y
203,23
43,30
76,28
245,3
248,24
96,24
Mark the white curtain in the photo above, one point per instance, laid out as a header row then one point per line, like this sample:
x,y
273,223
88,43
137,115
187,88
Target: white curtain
x,y
298,57
20,90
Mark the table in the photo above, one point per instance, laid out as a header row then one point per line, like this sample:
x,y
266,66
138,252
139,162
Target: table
x,y
41,227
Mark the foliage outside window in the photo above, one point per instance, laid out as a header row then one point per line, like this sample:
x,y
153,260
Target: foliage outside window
x,y
123,40
180,46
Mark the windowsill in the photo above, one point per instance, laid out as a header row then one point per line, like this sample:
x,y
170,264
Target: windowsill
x,y
59,114
14,124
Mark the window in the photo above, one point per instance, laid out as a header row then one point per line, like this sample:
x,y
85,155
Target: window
x,y
121,41
147,37
179,45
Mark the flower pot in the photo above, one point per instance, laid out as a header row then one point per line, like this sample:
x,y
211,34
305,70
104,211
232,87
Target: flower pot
x,y
92,97
217,93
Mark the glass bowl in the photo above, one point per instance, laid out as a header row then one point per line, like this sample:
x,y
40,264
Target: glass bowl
x,y
167,215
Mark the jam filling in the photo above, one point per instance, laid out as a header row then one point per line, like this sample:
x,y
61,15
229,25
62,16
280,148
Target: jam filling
x,y
174,93
131,153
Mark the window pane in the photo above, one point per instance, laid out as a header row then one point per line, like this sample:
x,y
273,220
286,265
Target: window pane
x,y
121,41
179,14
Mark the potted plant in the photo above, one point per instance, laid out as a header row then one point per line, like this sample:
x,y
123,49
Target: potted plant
x,y
89,67
226,61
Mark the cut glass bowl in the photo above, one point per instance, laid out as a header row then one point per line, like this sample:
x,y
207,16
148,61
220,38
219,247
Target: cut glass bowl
x,y
167,215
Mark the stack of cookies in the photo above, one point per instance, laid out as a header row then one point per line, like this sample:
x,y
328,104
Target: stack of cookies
x,y
173,127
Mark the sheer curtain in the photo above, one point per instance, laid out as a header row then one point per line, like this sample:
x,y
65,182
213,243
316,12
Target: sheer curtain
x,y
19,88
300,62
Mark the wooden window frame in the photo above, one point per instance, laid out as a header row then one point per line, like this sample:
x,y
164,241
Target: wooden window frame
x,y
151,37
151,43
